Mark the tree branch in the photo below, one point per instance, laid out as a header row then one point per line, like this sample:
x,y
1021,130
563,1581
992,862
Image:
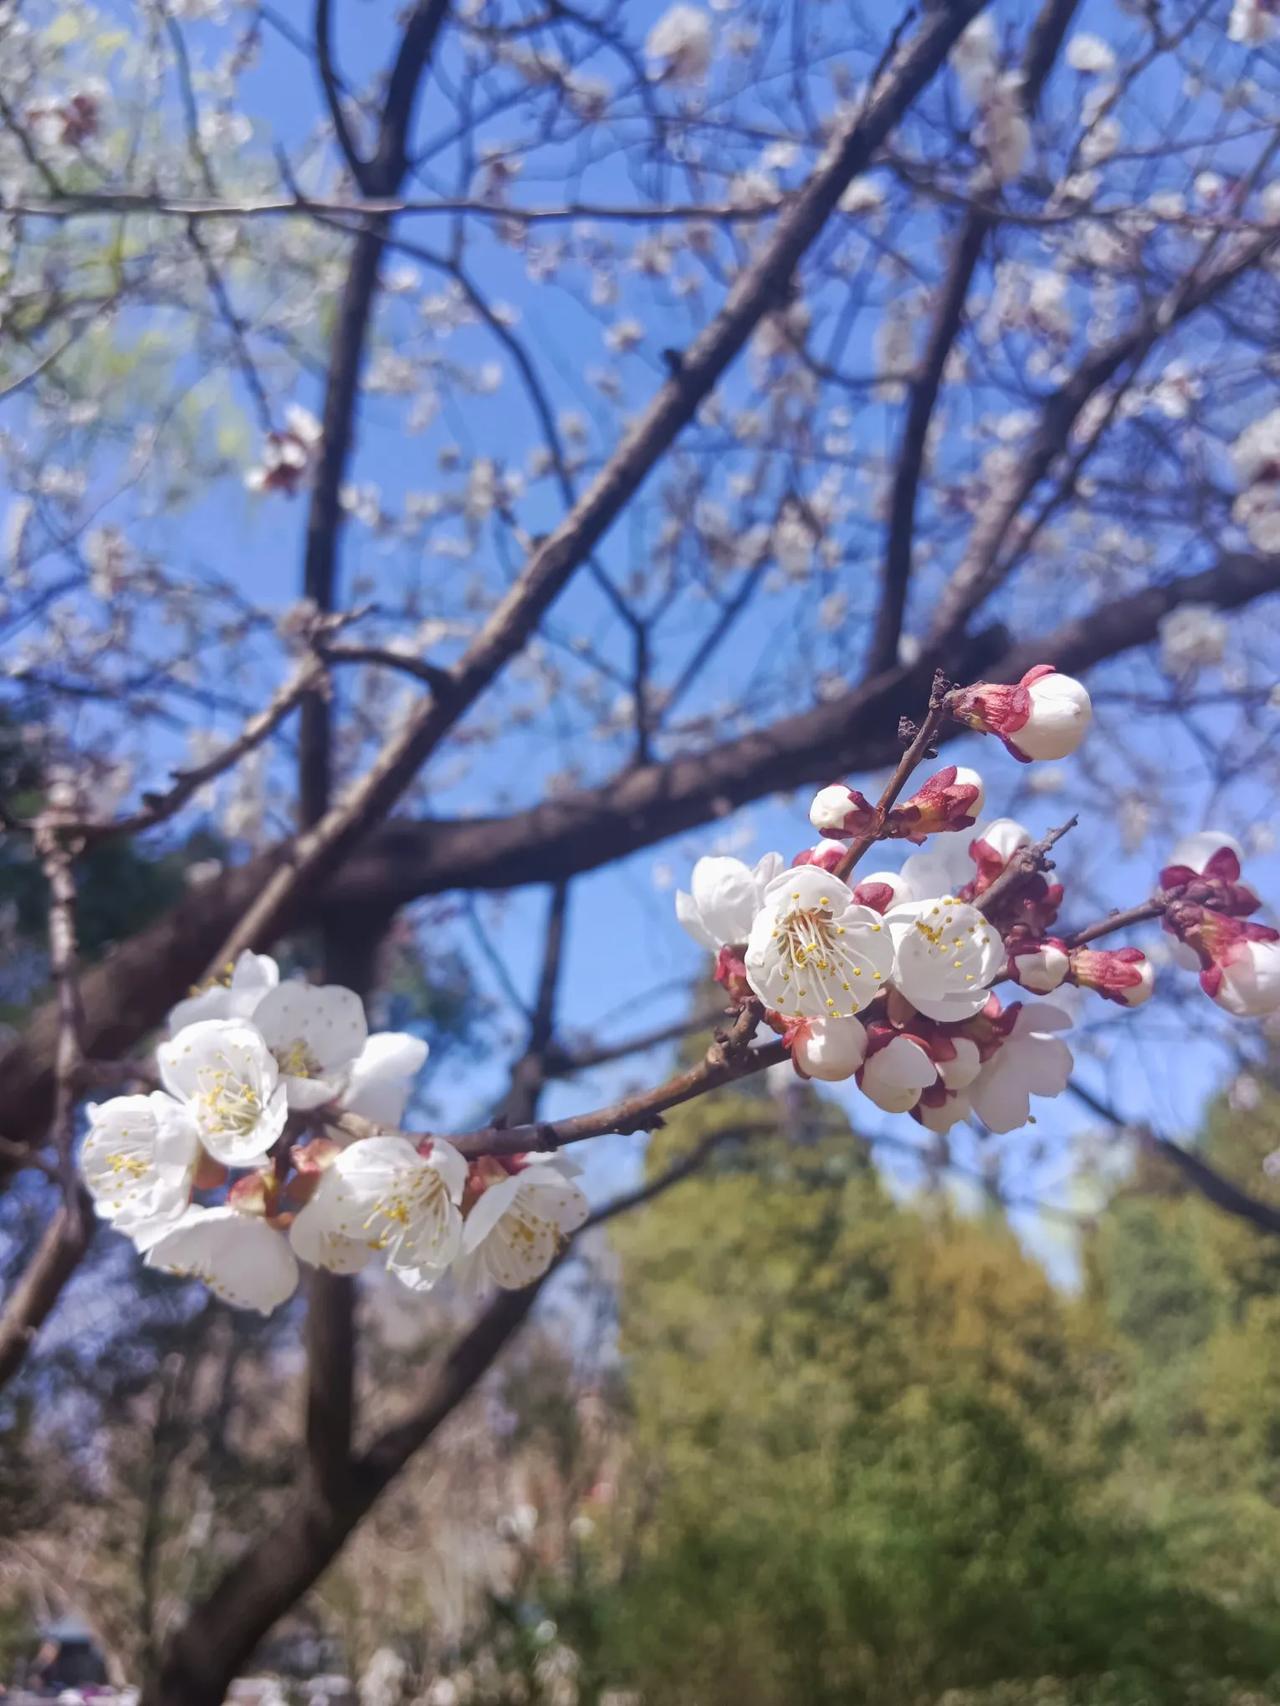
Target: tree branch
x,y
134,987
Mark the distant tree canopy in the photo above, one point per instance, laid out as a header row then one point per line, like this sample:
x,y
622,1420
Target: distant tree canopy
x,y
880,1456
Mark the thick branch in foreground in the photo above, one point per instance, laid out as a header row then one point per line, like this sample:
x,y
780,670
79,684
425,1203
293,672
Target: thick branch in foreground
x,y
761,287
206,1653
129,994
31,1302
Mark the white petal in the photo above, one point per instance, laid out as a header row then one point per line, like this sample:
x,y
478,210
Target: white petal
x,y
688,915
1048,1066
951,1009
316,1242
1195,851
769,866
214,1003
521,1250
726,896
381,1077
450,1165
238,1256
959,1073
321,1029
488,1210
831,1049
556,1200
945,868
254,974
139,1159
1037,1016
1000,1097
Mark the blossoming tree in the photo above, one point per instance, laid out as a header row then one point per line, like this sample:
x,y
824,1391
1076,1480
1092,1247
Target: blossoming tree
x,y
928,360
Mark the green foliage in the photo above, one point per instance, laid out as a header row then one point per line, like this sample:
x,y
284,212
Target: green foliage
x,y
880,1459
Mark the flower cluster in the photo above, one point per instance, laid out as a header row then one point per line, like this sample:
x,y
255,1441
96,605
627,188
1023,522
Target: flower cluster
x,y
240,1166
287,455
890,979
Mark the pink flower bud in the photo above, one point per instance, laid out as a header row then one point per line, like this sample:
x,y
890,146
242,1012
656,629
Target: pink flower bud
x,y
1208,853
1123,975
1206,867
993,847
731,973
829,1049
950,800
881,890
841,811
1045,716
1039,966
826,855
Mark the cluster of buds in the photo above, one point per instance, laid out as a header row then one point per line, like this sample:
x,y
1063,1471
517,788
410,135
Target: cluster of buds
x,y
889,980
287,455
1207,910
953,799
273,1142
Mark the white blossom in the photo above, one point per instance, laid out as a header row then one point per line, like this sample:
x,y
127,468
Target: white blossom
x,y
1192,637
381,1192
830,1049
894,1076
1090,54
247,982
1252,22
518,1226
1003,132
238,1256
139,1159
679,46
315,1033
813,952
1031,1061
726,897
225,1074
947,954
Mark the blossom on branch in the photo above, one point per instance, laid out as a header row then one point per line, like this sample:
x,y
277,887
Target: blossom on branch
x,y
226,1076
1045,716
240,1257
813,952
139,1160
519,1222
726,897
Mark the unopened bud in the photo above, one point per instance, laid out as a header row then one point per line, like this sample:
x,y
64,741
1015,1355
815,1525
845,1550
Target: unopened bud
x,y
829,1049
841,811
880,891
1123,975
1039,966
950,800
1045,716
993,847
826,854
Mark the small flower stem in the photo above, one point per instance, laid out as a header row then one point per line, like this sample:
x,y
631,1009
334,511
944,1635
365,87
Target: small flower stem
x,y
926,734
1148,909
1024,863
